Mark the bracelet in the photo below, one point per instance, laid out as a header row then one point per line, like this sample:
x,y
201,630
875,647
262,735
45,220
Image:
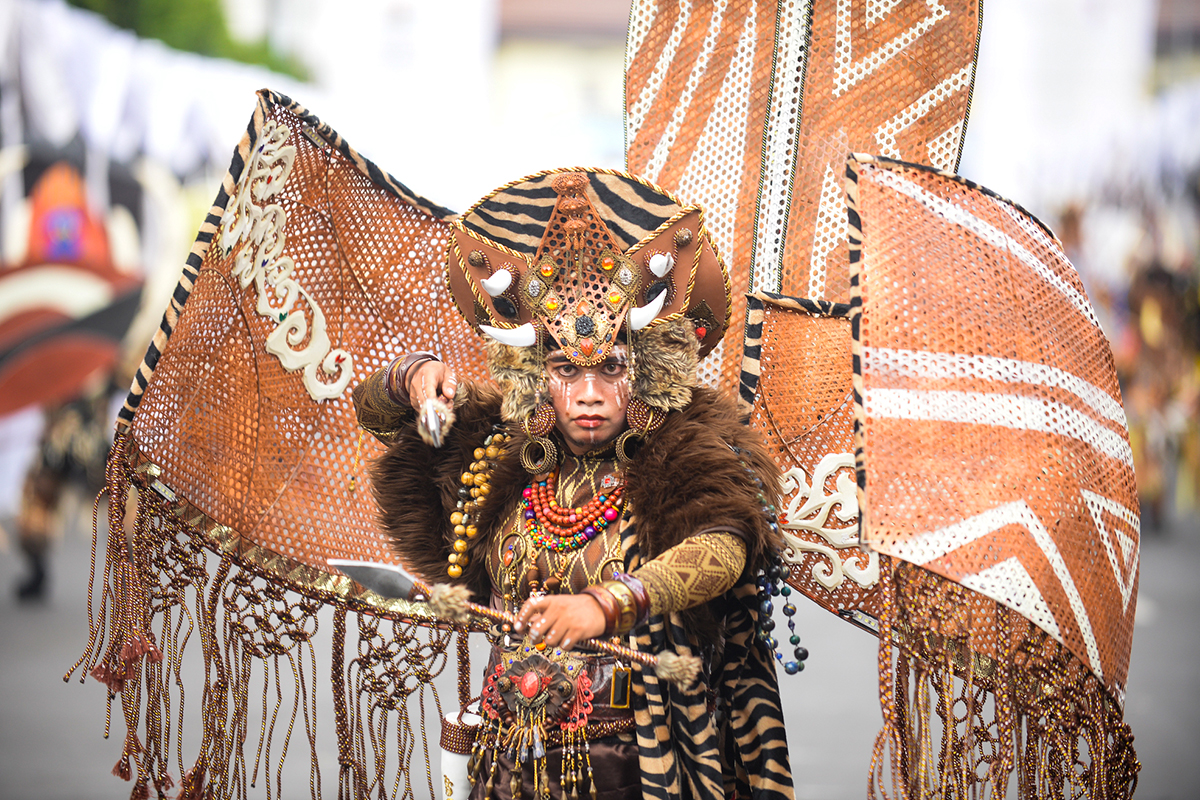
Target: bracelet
x,y
608,605
641,596
399,394
626,605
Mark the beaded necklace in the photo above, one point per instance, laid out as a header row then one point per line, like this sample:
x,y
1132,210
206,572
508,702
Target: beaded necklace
x,y
552,527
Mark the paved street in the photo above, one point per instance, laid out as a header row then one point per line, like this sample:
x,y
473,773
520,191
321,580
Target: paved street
x,y
51,743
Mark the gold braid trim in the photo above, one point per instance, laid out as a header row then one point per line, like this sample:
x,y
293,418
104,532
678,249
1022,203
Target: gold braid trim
x,y
693,572
377,414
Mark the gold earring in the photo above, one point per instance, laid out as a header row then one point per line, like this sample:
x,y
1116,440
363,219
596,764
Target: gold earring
x,y
537,425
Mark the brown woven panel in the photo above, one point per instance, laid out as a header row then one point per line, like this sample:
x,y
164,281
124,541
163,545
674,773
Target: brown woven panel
x,y
697,95
319,273
804,407
993,447
888,78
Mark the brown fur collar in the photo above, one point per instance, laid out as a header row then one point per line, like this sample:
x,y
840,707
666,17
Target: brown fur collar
x,y
683,478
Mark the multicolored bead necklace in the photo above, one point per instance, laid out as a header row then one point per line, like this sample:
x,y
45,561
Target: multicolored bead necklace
x,y
562,530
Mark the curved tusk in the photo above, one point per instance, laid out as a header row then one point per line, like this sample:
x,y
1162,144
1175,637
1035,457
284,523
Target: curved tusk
x,y
524,336
660,264
497,282
642,316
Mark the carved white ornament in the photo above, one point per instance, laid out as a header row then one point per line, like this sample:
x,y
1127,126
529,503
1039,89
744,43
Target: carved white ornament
x,y
251,218
809,510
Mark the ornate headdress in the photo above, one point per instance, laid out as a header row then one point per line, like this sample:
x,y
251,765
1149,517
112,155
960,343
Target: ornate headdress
x,y
579,259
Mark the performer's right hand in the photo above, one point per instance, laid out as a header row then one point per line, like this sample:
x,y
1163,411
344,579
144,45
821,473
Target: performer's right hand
x,y
431,379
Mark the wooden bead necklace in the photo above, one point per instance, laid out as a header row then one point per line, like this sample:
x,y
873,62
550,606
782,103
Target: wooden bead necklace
x,y
560,529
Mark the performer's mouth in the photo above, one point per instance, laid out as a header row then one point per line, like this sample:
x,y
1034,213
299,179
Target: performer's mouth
x,y
589,421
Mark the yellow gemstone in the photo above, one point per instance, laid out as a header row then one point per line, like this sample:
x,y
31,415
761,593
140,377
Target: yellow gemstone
x,y
467,479
454,570
484,489
474,493
539,645
493,452
551,304
460,530
456,518
481,479
608,262
460,545
614,298
479,453
547,270
472,531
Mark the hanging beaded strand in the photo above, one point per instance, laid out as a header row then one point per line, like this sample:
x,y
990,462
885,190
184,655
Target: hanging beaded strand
x,y
769,586
553,527
476,485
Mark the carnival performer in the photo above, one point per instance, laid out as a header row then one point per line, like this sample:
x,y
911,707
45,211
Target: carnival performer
x,y
596,491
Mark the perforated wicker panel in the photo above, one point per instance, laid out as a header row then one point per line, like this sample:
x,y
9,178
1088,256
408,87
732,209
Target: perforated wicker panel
x,y
237,433
698,82
749,108
993,447
888,78
804,409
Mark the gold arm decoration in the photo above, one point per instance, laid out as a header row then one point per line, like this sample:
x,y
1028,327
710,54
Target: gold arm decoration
x,y
693,571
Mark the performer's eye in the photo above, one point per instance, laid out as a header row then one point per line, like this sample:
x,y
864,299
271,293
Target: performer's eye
x,y
613,369
566,370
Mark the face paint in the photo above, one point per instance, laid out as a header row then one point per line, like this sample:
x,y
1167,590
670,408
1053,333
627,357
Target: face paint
x,y
589,402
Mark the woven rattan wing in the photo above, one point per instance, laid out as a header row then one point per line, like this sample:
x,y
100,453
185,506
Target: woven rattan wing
x,y
317,271
993,448
749,108
797,379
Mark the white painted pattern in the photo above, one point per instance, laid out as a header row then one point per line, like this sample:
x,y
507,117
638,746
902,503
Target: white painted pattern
x,y
718,159
932,545
1016,412
1009,583
662,149
1125,568
830,230
881,362
849,73
878,9
645,101
887,133
990,234
943,148
641,20
781,138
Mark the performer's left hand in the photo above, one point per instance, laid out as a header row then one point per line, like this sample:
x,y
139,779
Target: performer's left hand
x,y
561,620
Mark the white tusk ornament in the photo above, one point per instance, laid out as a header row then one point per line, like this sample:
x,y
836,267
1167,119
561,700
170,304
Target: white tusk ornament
x,y
497,282
660,264
524,336
642,316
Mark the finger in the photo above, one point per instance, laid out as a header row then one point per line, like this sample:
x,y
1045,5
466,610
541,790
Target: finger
x,y
449,386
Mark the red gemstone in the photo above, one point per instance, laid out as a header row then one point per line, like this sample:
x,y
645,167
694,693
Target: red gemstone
x,y
531,684
701,331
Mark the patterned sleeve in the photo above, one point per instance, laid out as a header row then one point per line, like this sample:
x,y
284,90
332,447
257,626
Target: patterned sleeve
x,y
378,414
694,571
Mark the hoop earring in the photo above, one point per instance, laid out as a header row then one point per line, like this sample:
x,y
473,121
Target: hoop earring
x,y
537,425
624,458
549,455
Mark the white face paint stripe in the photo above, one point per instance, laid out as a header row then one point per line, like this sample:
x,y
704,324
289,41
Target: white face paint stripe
x,y
990,234
886,361
1003,410
926,547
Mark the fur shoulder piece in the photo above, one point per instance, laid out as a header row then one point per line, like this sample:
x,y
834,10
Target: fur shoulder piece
x,y
687,477
416,487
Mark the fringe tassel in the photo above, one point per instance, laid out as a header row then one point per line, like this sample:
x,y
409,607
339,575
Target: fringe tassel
x,y
1030,705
